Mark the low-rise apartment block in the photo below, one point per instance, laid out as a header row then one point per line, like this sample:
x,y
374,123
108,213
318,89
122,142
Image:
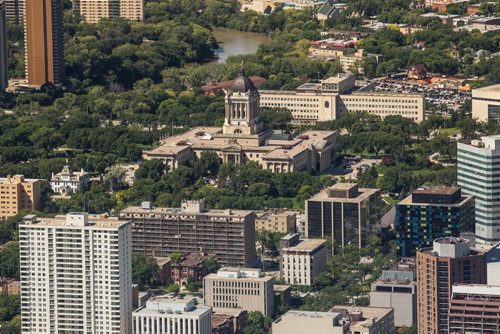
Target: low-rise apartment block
x,y
299,322
397,289
345,213
18,193
301,261
227,235
237,288
176,315
327,100
276,220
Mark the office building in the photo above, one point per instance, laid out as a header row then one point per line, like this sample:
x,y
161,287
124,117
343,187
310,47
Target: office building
x,y
432,213
476,175
172,315
367,320
227,235
345,213
92,11
244,138
298,322
44,44
18,193
486,103
68,182
301,261
235,288
4,67
449,261
76,274
15,10
327,100
474,308
282,221
397,289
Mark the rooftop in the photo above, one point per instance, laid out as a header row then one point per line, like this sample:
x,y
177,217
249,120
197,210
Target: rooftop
x,y
16,179
361,195
308,245
475,290
76,219
311,314
492,89
437,190
368,313
191,260
172,306
177,211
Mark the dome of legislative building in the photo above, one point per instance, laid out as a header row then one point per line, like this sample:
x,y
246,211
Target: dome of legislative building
x,y
243,84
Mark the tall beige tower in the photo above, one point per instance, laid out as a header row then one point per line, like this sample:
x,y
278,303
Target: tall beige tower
x,y
242,108
93,10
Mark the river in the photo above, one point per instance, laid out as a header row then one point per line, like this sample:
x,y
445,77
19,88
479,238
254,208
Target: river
x,y
234,42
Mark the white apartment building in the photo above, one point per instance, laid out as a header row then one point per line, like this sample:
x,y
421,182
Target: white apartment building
x,y
76,275
303,261
165,315
478,173
69,182
320,102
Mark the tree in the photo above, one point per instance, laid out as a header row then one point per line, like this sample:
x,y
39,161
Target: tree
x,y
150,169
276,118
144,271
192,285
46,139
114,178
444,145
175,288
211,265
9,260
176,257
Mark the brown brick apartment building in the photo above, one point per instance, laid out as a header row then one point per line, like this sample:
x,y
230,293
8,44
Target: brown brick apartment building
x,y
450,261
227,235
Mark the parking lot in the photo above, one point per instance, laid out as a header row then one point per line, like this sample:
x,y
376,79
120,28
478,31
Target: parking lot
x,y
452,98
349,169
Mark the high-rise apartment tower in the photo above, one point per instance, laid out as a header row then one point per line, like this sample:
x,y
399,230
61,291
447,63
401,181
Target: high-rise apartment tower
x,y
43,35
76,275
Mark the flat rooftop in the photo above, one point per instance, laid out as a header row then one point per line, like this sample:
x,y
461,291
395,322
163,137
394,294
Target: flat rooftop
x,y
311,314
179,212
437,190
492,89
94,222
363,194
308,245
369,313
241,278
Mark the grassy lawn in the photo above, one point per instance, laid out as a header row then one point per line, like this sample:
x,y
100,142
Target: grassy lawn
x,y
449,131
390,200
